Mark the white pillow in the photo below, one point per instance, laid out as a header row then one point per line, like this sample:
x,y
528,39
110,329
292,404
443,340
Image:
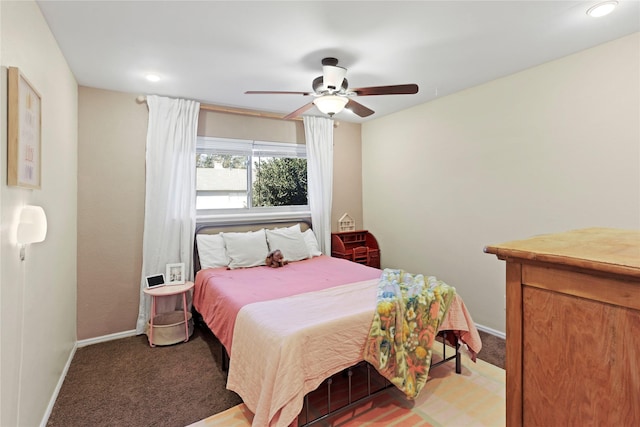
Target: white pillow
x,y
311,242
211,251
246,249
290,241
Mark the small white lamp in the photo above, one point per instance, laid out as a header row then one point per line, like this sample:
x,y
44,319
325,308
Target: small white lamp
x,y
330,104
32,227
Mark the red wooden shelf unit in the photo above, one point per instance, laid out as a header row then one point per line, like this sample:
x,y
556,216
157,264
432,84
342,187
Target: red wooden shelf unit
x,y
358,246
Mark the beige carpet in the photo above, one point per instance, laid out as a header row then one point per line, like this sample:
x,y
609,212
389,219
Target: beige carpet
x,y
476,397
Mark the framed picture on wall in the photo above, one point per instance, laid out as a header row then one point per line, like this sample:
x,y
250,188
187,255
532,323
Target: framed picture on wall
x,y
175,274
24,160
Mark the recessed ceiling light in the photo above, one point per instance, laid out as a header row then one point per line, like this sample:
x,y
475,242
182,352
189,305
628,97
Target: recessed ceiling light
x,y
153,77
602,9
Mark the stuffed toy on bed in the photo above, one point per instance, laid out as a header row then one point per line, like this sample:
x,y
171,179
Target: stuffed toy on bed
x,y
275,259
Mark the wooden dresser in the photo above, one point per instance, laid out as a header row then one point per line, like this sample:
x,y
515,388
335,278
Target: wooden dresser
x,y
357,246
573,328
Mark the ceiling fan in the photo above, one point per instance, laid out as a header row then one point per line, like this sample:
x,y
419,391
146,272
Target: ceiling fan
x,y
332,93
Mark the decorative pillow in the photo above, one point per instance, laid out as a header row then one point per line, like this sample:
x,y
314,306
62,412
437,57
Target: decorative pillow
x,y
211,251
246,249
290,242
312,243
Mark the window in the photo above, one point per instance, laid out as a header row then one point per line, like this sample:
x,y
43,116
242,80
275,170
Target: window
x,y
236,176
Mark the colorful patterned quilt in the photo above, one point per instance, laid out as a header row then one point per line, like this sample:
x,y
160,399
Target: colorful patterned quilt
x,y
409,311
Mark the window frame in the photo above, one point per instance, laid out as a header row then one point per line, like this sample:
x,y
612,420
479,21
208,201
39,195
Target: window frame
x,y
251,148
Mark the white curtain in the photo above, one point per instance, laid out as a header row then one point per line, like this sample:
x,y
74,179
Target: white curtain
x,y
170,208
319,138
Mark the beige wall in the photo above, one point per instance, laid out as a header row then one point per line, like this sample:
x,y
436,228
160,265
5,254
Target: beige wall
x,y
112,131
552,148
111,187
38,295
222,125
347,174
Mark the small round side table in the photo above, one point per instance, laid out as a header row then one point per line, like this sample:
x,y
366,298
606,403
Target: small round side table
x,y
165,291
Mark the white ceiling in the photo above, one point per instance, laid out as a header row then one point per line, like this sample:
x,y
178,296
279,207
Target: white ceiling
x,y
214,51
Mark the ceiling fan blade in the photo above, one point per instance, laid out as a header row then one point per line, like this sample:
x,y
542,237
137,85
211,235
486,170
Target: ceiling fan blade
x,y
271,92
298,111
358,108
408,89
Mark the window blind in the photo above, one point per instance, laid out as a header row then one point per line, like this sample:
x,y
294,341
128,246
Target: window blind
x,y
243,147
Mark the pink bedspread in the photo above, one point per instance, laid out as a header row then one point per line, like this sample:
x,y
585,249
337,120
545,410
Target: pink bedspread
x,y
285,348
220,293
459,320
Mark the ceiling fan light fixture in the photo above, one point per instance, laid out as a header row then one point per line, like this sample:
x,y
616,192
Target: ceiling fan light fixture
x,y
330,104
602,9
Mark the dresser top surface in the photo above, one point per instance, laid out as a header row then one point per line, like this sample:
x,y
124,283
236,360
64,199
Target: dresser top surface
x,y
606,249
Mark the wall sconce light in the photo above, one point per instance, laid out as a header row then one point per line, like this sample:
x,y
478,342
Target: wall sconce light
x,y
330,104
32,227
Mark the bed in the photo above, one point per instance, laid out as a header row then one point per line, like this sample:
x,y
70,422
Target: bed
x,y
285,330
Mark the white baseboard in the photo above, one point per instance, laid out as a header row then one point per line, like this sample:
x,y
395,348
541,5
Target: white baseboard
x,y
56,391
491,331
105,338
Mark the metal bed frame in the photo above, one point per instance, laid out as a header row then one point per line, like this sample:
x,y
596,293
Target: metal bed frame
x,y
371,394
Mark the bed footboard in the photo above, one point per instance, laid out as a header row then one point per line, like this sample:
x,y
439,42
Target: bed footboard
x,y
371,392
351,403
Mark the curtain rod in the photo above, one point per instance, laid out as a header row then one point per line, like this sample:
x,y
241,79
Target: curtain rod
x,y
244,112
